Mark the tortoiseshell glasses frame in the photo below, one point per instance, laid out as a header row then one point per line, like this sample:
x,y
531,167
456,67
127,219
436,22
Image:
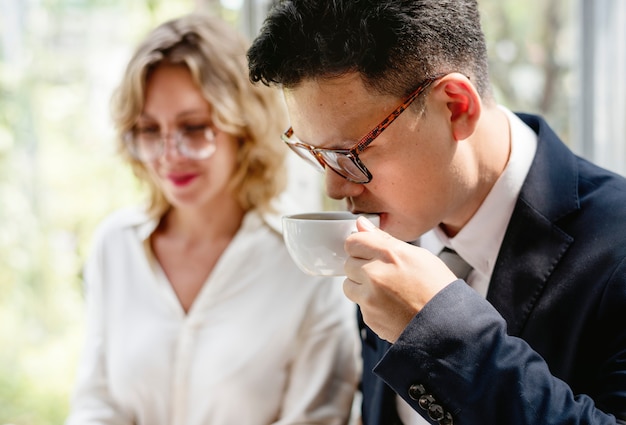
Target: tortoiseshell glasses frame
x,y
346,162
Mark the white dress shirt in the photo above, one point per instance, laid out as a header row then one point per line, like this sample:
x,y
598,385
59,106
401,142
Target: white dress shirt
x,y
263,343
478,242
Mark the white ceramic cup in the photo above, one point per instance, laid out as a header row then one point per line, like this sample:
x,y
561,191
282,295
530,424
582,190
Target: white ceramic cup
x,y
315,240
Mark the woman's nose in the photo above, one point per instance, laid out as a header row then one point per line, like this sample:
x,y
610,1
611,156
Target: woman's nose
x,y
170,147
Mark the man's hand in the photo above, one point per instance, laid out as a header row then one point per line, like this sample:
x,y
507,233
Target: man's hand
x,y
389,279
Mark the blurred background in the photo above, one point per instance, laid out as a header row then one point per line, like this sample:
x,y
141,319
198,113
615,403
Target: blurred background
x,y
59,62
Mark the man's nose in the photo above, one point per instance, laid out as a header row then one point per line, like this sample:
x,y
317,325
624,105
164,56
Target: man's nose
x,y
337,187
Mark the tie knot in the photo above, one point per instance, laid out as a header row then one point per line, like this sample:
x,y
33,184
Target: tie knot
x,y
458,265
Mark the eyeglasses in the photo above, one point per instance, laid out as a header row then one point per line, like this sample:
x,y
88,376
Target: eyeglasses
x,y
346,162
193,142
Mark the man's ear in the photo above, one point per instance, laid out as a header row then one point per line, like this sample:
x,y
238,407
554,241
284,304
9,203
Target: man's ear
x,y
463,104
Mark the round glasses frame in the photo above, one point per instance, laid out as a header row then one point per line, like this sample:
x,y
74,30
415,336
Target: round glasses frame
x,y
195,143
346,162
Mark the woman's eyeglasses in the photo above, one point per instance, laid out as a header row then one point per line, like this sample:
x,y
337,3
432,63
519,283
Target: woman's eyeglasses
x,y
193,142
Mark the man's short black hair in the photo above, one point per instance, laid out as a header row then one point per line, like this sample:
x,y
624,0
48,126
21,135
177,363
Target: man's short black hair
x,y
393,44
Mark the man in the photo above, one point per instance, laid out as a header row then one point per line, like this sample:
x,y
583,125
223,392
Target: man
x,y
538,333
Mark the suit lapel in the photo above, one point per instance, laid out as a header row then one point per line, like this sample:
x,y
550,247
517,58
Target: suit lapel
x,y
534,244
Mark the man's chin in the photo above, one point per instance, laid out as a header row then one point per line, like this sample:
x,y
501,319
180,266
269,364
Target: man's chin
x,y
402,234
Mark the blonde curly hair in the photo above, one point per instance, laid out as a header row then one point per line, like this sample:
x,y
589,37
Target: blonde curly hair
x,y
215,54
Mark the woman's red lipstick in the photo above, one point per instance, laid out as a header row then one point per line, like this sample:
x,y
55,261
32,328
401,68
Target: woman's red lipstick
x,y
181,179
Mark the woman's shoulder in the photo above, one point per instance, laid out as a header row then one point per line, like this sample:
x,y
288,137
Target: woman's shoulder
x,y
125,217
280,207
120,221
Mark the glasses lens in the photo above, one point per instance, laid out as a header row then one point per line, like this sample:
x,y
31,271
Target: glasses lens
x,y
197,143
145,145
344,165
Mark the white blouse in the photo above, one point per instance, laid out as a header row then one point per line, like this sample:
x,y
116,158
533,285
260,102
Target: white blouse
x,y
263,343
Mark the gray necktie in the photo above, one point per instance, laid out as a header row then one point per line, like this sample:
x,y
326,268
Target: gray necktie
x,y
455,263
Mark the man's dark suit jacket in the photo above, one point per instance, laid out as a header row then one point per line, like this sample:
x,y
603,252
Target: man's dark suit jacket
x,y
549,346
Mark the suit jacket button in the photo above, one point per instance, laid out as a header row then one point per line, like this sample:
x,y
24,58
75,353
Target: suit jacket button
x,y
446,420
435,411
425,401
416,391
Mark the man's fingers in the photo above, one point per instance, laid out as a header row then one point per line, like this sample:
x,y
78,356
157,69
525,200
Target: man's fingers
x,y
367,242
364,225
352,290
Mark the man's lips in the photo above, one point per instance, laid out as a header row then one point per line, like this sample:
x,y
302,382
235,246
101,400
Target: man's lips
x,y
357,211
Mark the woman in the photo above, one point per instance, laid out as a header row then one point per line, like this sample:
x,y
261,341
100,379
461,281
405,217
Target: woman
x,y
197,315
